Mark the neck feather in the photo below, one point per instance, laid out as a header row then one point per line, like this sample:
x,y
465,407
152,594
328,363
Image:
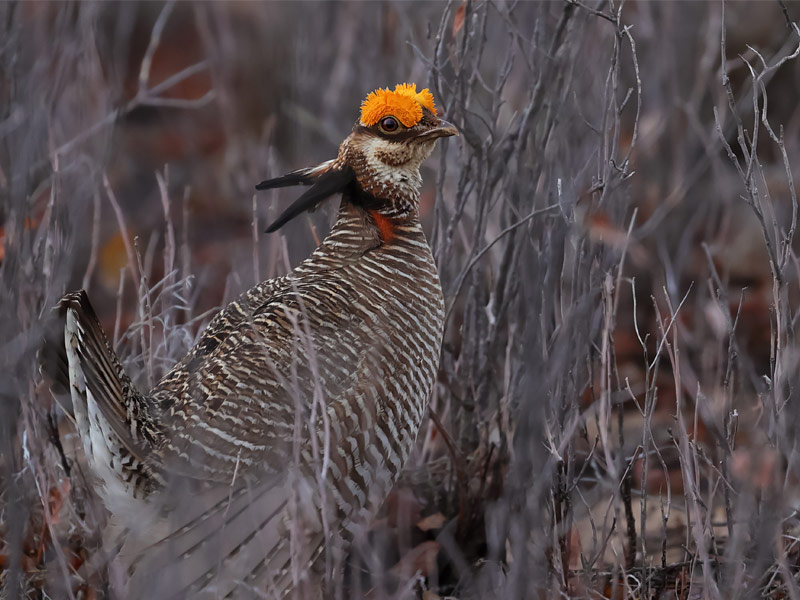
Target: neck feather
x,y
390,180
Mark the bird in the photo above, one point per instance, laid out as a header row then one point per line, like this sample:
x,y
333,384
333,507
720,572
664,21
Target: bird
x,y
247,470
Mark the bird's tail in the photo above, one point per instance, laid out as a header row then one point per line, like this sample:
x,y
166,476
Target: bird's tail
x,y
96,375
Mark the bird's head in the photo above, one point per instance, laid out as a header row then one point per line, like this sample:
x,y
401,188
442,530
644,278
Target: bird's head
x,y
378,163
396,131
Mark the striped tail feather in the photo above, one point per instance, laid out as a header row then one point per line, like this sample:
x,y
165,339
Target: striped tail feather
x,y
108,409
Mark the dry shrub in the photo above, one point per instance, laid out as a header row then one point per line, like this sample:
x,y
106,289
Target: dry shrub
x,y
615,414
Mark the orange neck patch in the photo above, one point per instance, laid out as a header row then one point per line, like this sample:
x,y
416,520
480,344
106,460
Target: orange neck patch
x,y
404,103
385,226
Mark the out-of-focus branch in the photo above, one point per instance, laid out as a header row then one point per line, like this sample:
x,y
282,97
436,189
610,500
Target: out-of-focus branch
x,y
146,95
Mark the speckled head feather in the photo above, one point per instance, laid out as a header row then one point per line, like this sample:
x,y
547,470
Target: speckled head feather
x,y
404,103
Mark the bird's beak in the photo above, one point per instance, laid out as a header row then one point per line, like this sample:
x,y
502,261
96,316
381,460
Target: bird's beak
x,y
444,129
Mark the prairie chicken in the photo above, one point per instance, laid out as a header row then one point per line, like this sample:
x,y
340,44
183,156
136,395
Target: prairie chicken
x,y
287,424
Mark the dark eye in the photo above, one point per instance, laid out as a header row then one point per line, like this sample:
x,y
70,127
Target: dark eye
x,y
389,124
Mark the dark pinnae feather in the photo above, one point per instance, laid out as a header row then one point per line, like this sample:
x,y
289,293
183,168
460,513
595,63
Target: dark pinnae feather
x,y
300,177
327,184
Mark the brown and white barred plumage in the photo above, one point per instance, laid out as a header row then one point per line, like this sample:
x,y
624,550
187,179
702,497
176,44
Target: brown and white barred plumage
x,y
285,427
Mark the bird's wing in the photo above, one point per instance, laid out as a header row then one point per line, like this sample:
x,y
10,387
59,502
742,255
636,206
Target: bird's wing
x,y
244,396
246,425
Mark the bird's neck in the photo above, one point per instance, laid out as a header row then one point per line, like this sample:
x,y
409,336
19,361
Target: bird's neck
x,y
360,228
397,201
388,182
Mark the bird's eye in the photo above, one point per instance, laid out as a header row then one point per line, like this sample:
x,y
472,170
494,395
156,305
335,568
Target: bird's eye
x,y
389,124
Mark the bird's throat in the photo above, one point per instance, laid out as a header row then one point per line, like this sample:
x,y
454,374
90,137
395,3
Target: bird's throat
x,y
385,226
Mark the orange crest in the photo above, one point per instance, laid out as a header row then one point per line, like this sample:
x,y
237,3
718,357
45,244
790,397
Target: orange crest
x,y
404,103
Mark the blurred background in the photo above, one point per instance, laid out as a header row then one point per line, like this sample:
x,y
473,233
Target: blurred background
x,y
616,413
